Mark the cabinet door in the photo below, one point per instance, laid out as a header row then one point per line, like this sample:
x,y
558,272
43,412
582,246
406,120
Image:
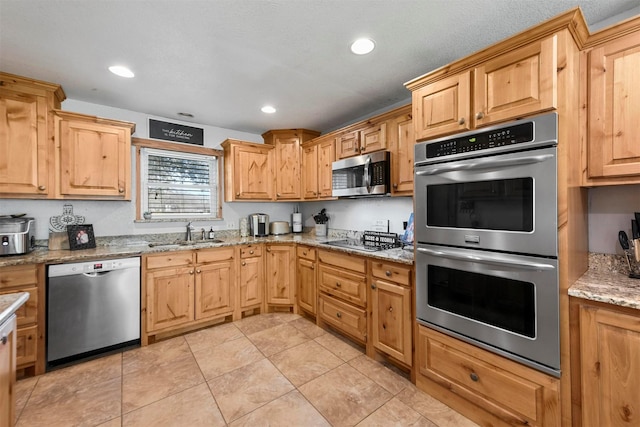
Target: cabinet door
x,y
24,155
7,372
95,159
307,298
215,289
253,173
348,145
517,84
170,297
251,282
391,319
280,271
614,108
287,152
402,143
373,138
442,107
326,156
310,172
610,351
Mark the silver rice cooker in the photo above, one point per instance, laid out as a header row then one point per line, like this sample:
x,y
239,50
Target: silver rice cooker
x,y
17,235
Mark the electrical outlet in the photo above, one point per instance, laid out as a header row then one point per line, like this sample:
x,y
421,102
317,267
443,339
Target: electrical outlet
x,y
231,225
380,225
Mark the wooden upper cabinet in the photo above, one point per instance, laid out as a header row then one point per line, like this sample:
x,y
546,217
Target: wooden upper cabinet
x,y
26,126
401,138
94,156
287,143
517,83
442,107
248,170
614,109
348,144
317,159
373,138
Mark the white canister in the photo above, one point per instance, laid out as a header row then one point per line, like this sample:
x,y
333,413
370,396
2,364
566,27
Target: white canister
x,y
321,229
297,222
244,227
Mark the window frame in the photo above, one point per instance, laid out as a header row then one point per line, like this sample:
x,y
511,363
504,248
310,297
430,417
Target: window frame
x,y
140,143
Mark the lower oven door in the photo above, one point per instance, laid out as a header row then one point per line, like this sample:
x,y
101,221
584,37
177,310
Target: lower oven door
x,y
508,304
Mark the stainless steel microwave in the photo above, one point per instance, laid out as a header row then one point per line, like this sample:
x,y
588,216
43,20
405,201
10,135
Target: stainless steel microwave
x,y
361,176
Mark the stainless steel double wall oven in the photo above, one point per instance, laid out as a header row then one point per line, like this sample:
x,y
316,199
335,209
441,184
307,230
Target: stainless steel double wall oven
x,y
486,234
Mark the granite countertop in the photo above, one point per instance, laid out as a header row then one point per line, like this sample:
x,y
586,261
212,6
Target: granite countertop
x,y
136,246
608,287
9,303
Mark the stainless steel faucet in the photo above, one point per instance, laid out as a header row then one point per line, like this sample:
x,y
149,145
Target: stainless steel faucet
x,y
188,238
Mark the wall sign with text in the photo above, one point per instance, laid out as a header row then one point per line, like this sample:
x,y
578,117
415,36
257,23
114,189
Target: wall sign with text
x,y
175,132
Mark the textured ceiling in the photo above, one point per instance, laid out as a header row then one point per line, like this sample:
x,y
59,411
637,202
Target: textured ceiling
x,y
224,59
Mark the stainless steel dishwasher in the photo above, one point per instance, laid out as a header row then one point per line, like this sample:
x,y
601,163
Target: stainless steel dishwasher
x,y
92,308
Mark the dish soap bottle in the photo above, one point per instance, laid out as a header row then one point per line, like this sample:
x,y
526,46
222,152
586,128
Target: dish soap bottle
x,y
211,234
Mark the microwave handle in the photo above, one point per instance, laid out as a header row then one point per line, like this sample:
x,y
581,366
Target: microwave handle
x,y
486,164
487,259
367,179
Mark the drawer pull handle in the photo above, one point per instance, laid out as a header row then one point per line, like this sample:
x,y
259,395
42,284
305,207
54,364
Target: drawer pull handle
x,y
387,273
474,377
338,315
250,252
4,339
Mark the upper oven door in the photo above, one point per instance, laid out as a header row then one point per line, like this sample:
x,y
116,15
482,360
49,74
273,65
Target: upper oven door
x,y
505,202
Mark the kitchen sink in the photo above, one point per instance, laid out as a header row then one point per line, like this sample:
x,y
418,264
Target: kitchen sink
x,y
178,243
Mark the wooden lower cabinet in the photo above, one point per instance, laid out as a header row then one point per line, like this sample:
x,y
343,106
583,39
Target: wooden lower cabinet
x,y
7,371
306,278
483,386
343,316
184,288
250,278
607,341
30,318
280,270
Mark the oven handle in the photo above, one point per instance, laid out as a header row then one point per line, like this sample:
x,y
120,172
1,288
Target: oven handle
x,y
367,180
488,259
486,164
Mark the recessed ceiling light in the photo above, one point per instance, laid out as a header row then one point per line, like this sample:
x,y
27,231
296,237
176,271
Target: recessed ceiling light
x,y
121,71
362,46
268,109
185,114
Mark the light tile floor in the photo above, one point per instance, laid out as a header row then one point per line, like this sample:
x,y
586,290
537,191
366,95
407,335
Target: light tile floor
x,y
269,369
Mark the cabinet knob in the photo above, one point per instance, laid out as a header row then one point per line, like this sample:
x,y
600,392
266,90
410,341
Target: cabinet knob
x,y
480,115
315,194
190,271
198,271
4,339
387,273
250,252
338,284
474,377
237,194
373,286
42,187
304,252
313,267
338,315
355,148
461,121
244,263
390,309
268,249
395,186
278,194
120,190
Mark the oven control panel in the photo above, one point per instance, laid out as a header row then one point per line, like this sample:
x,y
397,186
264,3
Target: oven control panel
x,y
516,134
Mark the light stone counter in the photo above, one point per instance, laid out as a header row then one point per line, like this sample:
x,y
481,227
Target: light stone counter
x,y
138,245
9,303
607,281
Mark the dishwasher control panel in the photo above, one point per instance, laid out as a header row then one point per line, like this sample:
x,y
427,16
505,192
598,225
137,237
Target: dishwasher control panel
x,y
92,266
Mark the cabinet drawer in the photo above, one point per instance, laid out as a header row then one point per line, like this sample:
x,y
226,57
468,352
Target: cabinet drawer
x,y
306,252
447,362
250,251
348,286
26,340
212,255
349,319
19,275
393,272
170,259
27,314
342,260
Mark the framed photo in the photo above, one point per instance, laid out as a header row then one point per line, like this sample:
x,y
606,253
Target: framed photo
x,y
81,237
